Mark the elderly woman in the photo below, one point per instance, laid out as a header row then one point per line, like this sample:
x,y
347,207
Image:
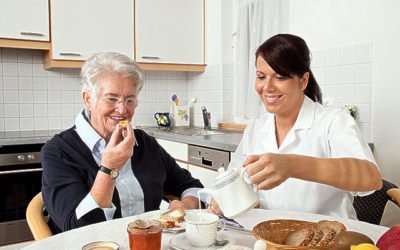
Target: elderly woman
x,y
300,155
98,170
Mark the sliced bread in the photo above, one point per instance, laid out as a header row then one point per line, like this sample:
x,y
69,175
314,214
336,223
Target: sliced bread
x,y
300,237
318,234
327,237
332,224
171,217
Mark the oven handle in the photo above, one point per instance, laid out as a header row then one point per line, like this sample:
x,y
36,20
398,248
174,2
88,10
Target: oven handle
x,y
21,171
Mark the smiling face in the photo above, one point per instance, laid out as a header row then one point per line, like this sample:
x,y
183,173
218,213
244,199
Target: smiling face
x,y
116,101
281,95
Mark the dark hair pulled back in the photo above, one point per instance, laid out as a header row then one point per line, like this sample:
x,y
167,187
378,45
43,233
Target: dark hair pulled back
x,y
288,55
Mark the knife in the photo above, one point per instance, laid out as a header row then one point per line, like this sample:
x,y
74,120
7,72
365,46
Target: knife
x,y
231,224
238,229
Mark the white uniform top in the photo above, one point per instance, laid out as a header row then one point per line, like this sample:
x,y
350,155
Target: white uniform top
x,y
319,132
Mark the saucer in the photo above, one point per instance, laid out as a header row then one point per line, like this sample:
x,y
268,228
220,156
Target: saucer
x,y
181,242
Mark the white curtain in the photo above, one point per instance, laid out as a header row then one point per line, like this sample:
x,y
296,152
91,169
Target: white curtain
x,y
257,20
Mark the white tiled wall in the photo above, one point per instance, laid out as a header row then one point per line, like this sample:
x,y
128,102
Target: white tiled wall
x,y
32,98
156,95
345,77
213,89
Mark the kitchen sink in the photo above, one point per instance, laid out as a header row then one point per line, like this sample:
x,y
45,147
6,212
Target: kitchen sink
x,y
208,132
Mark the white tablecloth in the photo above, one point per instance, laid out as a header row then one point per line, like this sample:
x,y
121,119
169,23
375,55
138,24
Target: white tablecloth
x,y
115,230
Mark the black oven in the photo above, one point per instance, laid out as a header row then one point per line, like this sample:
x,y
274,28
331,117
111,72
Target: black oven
x,y
20,181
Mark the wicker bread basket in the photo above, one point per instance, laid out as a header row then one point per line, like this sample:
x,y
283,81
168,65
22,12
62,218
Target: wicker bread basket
x,y
274,233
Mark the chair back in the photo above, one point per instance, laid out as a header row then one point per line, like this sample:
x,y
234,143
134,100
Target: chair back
x,y
36,220
370,208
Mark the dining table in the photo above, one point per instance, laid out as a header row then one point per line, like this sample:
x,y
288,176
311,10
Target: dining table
x,y
116,230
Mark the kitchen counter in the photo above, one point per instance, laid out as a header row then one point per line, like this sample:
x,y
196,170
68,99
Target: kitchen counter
x,y
227,141
26,137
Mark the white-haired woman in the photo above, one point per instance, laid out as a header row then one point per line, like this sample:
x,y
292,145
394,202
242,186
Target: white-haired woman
x,y
97,170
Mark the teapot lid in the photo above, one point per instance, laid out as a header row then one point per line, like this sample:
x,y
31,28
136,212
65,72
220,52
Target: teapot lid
x,y
225,177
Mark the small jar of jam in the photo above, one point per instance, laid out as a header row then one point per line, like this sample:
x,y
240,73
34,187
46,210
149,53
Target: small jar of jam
x,y
148,238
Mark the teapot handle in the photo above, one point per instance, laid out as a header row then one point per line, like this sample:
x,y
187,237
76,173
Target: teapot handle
x,y
246,178
244,175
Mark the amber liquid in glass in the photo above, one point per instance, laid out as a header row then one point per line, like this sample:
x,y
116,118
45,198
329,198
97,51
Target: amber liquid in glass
x,y
144,239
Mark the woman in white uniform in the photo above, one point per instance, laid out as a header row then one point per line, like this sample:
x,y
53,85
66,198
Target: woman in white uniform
x,y
301,155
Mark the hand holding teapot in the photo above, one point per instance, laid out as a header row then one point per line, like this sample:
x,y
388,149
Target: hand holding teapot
x,y
268,170
232,192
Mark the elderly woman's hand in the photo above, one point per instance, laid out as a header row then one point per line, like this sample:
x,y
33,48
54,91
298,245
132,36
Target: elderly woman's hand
x,y
188,202
214,208
268,170
120,148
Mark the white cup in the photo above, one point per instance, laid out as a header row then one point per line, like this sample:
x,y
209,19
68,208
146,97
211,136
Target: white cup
x,y
202,227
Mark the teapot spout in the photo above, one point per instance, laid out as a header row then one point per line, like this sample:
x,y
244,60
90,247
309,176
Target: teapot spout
x,y
208,191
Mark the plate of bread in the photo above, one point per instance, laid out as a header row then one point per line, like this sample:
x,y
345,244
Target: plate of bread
x,y
171,220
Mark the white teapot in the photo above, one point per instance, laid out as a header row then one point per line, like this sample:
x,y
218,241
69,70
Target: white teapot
x,y
232,192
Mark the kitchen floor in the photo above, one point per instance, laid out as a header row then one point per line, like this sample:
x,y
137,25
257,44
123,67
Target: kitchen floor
x,y
16,245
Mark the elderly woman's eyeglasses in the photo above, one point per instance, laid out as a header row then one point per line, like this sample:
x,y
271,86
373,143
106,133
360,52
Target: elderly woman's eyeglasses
x,y
113,101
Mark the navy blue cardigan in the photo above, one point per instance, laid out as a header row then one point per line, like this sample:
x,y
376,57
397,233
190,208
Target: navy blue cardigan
x,y
69,171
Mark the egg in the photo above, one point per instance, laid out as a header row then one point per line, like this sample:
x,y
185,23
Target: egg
x,y
346,239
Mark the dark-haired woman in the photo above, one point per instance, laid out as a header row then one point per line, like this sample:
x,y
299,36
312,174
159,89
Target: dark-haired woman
x,y
302,156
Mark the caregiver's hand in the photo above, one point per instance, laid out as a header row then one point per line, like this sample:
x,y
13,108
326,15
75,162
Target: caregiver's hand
x,y
268,170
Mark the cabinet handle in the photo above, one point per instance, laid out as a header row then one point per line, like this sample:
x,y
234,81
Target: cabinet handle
x,y
150,57
69,54
31,33
21,171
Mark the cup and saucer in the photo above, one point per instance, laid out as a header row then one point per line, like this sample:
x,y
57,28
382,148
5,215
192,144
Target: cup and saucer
x,y
203,231
181,242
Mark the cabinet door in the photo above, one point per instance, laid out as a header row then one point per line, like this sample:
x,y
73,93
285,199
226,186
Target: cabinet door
x,y
177,150
24,19
81,28
205,175
169,31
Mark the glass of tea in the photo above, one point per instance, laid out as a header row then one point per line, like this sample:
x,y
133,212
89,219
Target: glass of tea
x,y
148,238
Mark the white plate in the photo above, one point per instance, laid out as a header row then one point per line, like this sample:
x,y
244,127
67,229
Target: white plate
x,y
155,215
181,242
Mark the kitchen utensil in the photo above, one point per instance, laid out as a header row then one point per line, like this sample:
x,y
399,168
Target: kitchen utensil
x,y
238,229
233,193
175,99
181,116
192,100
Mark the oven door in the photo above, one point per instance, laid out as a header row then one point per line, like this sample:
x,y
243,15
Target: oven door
x,y
20,181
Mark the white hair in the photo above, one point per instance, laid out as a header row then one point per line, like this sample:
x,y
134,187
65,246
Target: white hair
x,y
103,63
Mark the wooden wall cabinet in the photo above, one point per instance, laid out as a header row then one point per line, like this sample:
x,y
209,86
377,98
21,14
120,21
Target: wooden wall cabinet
x,y
159,34
170,34
81,28
24,24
